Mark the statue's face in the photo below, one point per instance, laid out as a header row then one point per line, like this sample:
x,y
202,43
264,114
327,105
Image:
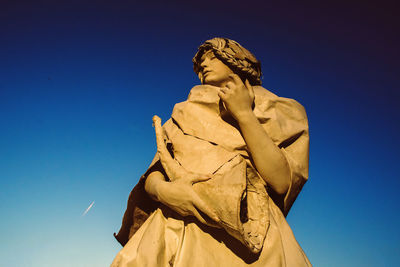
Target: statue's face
x,y
213,71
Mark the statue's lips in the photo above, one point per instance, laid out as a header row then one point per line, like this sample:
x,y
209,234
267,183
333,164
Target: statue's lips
x,y
206,72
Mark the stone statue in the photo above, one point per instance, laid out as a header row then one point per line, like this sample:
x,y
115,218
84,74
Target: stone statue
x,y
230,162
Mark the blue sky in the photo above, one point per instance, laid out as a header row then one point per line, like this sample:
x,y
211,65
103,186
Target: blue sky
x,y
81,80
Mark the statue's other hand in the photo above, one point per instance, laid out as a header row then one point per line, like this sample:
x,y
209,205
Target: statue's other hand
x,y
180,196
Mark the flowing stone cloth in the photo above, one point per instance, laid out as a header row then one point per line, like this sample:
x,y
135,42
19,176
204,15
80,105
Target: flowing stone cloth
x,y
253,230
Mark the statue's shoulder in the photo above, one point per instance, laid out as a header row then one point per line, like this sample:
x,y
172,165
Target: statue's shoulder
x,y
260,91
204,93
267,99
203,89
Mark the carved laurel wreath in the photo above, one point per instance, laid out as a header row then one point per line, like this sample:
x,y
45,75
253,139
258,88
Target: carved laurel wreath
x,y
235,56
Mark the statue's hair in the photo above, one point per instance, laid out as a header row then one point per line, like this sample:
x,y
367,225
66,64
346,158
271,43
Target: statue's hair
x,y
232,54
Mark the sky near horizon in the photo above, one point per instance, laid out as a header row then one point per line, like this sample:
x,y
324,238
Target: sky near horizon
x,y
81,80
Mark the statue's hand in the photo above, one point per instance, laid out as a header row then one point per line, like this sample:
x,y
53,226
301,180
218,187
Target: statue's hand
x,y
238,97
180,196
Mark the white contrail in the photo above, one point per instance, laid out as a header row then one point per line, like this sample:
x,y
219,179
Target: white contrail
x,y
86,211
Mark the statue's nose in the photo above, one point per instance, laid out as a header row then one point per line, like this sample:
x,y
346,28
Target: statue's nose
x,y
204,63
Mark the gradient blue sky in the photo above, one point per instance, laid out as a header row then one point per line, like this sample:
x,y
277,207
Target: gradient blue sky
x,y
81,80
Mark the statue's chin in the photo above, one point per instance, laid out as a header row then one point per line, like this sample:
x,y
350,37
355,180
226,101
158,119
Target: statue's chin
x,y
206,81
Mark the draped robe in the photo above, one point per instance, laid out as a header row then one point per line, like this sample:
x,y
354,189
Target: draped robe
x,y
253,230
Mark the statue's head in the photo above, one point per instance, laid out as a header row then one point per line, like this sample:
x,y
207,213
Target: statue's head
x,y
234,57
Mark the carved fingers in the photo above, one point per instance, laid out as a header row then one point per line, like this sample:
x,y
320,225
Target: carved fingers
x,y
179,193
204,208
250,89
181,197
237,96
